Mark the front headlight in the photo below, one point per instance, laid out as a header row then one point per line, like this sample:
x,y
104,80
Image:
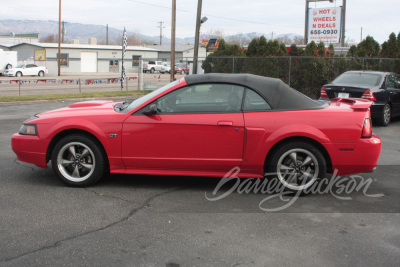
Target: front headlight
x,y
28,129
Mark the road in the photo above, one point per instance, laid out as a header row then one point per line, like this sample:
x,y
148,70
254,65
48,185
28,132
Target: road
x,y
129,220
78,83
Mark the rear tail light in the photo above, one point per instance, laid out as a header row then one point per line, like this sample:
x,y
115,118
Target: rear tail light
x,y
368,95
323,92
367,129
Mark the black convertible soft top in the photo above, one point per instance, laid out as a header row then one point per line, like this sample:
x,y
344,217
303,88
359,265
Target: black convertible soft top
x,y
278,94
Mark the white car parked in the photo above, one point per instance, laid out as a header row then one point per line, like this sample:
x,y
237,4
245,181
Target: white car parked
x,y
26,70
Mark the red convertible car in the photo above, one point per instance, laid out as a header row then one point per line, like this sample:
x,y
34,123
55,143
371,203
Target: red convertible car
x,y
205,125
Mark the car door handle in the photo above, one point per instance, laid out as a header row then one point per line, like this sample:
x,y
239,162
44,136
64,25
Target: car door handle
x,y
225,123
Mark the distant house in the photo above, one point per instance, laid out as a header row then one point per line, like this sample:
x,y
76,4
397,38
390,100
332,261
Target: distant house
x,y
183,53
12,39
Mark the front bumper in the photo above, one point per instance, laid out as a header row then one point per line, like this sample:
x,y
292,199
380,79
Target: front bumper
x,y
30,149
9,74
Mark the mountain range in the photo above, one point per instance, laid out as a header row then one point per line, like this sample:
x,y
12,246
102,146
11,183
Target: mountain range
x,y
83,32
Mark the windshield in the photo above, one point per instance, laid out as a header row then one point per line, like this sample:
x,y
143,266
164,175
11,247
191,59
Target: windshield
x,y
144,98
359,79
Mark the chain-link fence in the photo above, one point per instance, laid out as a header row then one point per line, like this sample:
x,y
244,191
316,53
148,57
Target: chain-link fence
x,y
305,74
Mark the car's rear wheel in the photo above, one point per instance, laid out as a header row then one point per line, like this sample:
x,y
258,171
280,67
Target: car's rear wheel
x,y
182,72
152,70
385,116
78,160
18,74
41,73
297,165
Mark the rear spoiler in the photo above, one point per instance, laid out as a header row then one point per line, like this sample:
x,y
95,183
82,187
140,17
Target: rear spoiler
x,y
355,103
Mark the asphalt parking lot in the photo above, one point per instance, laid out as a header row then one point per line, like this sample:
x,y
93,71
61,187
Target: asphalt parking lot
x,y
168,221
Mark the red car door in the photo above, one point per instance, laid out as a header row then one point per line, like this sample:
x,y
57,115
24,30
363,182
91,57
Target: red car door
x,y
200,132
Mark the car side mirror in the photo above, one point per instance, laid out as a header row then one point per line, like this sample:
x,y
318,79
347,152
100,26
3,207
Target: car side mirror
x,y
152,110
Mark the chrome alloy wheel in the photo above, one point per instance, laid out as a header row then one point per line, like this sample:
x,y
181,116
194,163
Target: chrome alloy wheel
x,y
386,114
76,161
297,169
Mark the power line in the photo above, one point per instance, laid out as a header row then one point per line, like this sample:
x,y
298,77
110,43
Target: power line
x,y
161,27
226,18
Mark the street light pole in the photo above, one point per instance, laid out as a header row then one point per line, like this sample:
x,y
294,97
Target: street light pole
x,y
196,39
59,39
172,70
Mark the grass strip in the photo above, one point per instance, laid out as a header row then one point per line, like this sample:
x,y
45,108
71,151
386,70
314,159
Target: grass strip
x,y
73,95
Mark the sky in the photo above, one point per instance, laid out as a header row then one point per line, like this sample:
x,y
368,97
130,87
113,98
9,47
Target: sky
x,y
377,18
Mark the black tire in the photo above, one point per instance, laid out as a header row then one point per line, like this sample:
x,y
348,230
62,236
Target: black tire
x,y
18,74
182,72
385,116
152,70
8,66
309,162
78,160
41,73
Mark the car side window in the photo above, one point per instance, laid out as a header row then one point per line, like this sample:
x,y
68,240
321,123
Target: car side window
x,y
202,98
391,82
254,102
397,81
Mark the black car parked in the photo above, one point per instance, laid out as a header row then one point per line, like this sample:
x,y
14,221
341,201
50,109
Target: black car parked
x,y
383,88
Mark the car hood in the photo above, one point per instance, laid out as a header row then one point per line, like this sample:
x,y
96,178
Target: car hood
x,y
82,109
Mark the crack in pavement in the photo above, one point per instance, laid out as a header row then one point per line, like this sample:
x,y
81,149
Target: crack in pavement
x,y
110,196
123,219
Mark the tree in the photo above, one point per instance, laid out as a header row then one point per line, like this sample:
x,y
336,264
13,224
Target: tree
x,y
390,48
331,51
49,39
295,51
321,49
218,61
311,49
352,51
368,48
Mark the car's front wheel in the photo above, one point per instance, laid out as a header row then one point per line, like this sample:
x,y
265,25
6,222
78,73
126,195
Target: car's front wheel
x,y
41,73
152,70
78,160
18,74
297,165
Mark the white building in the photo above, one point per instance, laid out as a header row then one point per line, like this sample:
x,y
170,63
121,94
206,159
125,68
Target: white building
x,y
84,58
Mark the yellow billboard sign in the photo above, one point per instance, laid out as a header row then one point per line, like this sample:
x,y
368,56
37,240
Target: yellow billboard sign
x,y
40,54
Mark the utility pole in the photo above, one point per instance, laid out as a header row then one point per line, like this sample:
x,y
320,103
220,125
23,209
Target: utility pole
x,y
172,72
161,27
196,39
306,24
63,31
361,36
107,36
343,24
59,39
